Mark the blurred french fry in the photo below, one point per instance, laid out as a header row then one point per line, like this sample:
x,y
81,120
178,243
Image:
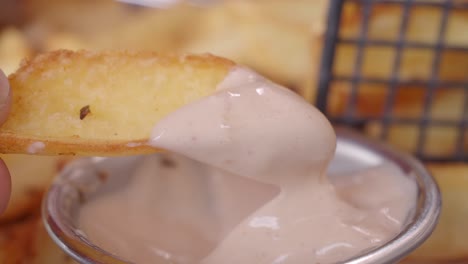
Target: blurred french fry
x,y
27,241
67,41
72,22
87,18
13,48
423,28
440,140
415,63
15,241
31,175
47,252
153,30
310,14
449,241
272,47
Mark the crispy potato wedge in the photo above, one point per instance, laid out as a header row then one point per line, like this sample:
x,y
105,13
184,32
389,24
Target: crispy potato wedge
x,y
448,243
104,103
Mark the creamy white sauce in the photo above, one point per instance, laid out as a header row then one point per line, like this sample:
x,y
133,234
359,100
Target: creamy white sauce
x,y
36,147
133,144
247,182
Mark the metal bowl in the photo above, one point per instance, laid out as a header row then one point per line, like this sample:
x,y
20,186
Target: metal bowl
x,y
61,204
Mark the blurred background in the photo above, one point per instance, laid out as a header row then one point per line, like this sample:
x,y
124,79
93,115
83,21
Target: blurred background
x,y
395,70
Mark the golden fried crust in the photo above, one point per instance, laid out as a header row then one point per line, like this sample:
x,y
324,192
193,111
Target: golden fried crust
x,y
101,103
43,62
11,143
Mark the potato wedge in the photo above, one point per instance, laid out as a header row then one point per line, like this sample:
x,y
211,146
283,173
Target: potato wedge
x,y
101,103
448,243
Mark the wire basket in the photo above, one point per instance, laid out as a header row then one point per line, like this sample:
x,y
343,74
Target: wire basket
x,y
398,70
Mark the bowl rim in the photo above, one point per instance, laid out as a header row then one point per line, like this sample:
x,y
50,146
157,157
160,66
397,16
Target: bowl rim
x,y
416,232
424,222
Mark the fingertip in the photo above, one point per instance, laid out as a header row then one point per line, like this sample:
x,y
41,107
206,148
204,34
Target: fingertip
x,y
5,186
5,97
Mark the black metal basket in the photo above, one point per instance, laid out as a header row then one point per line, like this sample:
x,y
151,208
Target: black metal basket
x,y
438,129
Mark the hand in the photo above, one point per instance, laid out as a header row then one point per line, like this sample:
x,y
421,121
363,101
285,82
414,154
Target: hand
x,y
5,180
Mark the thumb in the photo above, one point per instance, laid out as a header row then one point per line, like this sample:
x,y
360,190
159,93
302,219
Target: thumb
x,y
5,97
5,186
5,180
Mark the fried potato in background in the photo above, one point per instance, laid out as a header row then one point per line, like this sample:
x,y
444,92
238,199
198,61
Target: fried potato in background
x,y
441,140
378,61
27,241
166,30
86,18
15,241
73,23
144,30
13,48
448,243
31,176
252,39
384,25
109,24
310,14
68,41
281,39
47,252
415,65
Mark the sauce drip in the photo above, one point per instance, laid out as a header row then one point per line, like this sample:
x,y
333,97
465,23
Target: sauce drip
x,y
246,182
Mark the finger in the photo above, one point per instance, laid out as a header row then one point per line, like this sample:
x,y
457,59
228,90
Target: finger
x,y
5,186
5,180
5,97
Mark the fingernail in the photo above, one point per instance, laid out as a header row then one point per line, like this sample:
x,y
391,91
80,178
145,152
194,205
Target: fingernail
x,y
4,88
